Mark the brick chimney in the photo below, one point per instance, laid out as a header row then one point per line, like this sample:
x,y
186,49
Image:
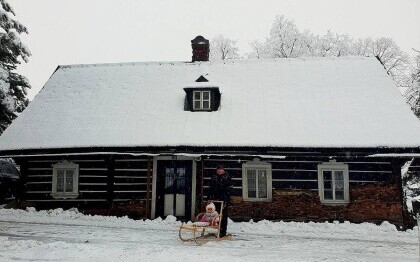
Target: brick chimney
x,y
200,49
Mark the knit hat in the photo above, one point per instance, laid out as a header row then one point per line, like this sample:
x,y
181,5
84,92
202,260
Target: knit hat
x,y
212,206
219,166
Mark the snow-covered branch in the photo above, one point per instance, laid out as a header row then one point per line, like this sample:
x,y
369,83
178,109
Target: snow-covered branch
x,y
13,87
222,48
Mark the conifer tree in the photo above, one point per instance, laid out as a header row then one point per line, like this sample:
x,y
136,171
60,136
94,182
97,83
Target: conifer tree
x,y
13,86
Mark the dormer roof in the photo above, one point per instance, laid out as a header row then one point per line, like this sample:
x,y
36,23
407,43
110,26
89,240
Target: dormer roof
x,y
202,82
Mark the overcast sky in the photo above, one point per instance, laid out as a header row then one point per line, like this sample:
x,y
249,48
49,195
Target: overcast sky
x,y
101,31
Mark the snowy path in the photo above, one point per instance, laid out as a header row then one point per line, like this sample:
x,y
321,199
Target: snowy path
x,y
64,238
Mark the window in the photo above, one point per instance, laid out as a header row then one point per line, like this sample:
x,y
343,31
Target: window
x,y
65,182
202,96
333,183
201,100
256,181
175,183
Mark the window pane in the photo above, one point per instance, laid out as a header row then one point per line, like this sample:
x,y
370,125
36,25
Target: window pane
x,y
180,180
197,105
327,175
339,195
206,95
327,184
339,185
60,180
69,181
251,179
262,184
339,182
338,175
197,95
69,172
328,194
206,105
252,194
169,179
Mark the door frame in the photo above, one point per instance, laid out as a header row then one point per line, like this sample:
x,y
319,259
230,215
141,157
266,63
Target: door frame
x,y
193,182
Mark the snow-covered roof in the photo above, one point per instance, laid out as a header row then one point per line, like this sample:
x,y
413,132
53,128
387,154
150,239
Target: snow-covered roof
x,y
316,102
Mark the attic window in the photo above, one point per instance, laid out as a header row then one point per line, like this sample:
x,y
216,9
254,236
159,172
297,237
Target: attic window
x,y
202,100
202,96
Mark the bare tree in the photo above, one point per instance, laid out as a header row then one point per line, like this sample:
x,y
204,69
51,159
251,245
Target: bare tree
x,y
395,61
259,50
413,93
222,48
285,39
362,46
308,39
332,44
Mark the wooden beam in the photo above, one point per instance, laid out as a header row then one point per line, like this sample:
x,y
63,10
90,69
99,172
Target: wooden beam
x,y
21,186
148,186
110,163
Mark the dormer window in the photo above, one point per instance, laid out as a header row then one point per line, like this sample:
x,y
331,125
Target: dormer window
x,y
202,96
201,100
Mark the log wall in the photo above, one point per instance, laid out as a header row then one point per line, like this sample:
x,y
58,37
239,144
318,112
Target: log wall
x,y
374,191
117,185
108,185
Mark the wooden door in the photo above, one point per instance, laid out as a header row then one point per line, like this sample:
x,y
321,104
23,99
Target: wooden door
x,y
173,188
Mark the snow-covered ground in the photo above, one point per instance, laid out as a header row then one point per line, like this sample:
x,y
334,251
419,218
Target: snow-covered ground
x,y
58,235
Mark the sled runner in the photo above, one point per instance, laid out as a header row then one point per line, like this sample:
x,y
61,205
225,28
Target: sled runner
x,y
202,232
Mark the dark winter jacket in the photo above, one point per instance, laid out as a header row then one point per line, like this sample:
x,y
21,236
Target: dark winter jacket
x,y
220,187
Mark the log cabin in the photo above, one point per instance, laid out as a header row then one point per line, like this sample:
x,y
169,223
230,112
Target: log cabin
x,y
304,139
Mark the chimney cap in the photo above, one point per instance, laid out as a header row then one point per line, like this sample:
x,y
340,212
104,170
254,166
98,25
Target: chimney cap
x,y
200,40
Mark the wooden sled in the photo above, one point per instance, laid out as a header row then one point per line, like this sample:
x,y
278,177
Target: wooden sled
x,y
200,233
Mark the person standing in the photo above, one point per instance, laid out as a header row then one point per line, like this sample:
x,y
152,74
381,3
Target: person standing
x,y
220,189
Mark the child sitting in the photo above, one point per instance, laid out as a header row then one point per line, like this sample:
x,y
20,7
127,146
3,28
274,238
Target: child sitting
x,y
211,216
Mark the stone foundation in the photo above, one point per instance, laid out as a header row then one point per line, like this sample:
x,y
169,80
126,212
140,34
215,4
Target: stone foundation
x,y
369,203
134,210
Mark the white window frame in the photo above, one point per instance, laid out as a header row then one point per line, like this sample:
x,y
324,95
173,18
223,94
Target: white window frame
x,y
65,165
333,166
201,100
257,165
